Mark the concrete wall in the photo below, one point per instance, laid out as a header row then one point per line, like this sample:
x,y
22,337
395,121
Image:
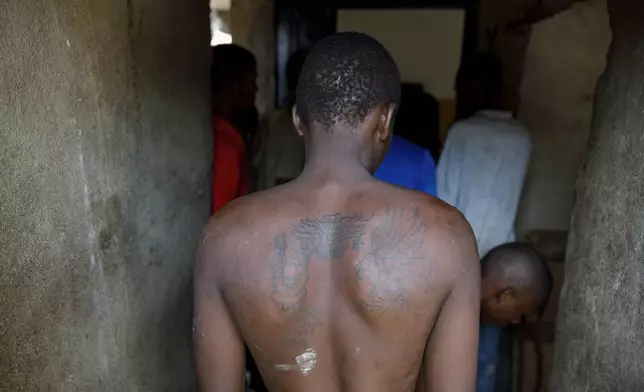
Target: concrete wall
x,y
600,329
565,57
105,154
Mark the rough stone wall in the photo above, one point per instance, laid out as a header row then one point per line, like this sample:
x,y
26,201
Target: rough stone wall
x,y
600,337
105,154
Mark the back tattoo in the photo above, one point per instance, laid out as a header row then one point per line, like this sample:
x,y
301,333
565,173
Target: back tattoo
x,y
388,267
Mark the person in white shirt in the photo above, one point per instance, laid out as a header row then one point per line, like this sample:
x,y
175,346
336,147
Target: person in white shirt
x,y
481,172
484,162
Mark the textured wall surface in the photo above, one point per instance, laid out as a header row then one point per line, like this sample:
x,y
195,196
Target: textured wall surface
x,y
565,58
105,152
600,336
505,28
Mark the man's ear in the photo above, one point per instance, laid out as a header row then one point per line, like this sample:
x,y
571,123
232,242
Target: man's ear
x,y
505,295
386,121
297,122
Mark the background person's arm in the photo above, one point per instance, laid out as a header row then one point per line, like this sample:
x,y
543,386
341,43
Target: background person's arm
x,y
451,354
219,348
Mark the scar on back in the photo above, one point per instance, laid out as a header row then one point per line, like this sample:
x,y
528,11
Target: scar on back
x,y
304,363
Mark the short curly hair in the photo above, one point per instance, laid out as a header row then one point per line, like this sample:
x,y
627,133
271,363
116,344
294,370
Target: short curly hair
x,y
343,78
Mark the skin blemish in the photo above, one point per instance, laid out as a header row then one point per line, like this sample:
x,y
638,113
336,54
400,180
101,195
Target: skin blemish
x,y
305,363
357,350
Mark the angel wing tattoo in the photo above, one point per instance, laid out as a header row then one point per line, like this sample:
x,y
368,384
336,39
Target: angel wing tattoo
x,y
390,268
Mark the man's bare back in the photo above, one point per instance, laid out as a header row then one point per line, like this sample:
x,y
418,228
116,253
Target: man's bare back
x,y
336,281
334,290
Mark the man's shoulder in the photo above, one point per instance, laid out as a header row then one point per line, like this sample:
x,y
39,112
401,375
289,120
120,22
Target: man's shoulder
x,y
439,215
242,213
255,211
449,229
235,216
435,231
449,222
451,239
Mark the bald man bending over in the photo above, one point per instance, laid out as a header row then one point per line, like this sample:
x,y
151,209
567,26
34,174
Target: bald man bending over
x,y
516,283
337,281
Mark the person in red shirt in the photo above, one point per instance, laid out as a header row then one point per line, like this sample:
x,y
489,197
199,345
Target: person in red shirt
x,y
233,77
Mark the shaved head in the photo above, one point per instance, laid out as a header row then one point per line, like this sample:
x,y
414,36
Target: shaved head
x,y
344,76
521,265
520,270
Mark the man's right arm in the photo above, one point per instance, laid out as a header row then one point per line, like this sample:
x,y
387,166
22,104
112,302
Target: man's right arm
x,y
452,350
219,348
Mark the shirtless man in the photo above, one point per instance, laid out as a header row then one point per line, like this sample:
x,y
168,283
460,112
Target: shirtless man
x,y
337,281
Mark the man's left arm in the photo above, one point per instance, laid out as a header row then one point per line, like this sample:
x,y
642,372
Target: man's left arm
x,y
451,351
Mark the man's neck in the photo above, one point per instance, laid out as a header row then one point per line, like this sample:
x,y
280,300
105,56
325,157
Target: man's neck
x,y
334,160
335,169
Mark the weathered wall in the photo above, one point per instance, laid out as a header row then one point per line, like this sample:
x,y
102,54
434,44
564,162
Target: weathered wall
x,y
498,16
104,161
600,337
252,26
565,57
505,29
